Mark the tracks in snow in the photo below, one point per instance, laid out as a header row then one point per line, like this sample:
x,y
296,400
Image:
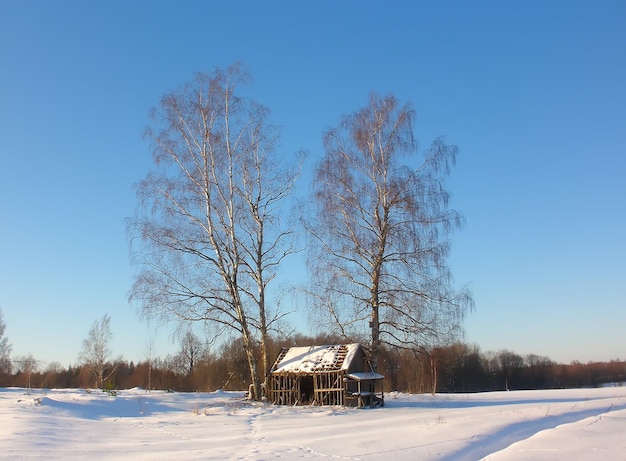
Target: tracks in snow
x,y
481,447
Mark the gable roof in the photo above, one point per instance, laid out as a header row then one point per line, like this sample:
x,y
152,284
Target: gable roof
x,y
311,359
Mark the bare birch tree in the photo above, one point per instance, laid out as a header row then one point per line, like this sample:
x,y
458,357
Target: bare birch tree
x,y
150,359
28,366
96,354
379,238
211,237
5,350
190,350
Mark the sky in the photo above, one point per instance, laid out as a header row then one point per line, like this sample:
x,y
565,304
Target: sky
x,y
532,93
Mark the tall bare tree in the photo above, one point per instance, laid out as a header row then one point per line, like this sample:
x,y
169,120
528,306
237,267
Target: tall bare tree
x,y
28,366
150,359
379,246
510,363
190,350
5,350
96,353
211,237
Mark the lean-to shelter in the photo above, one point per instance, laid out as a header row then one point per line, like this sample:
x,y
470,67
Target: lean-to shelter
x,y
324,375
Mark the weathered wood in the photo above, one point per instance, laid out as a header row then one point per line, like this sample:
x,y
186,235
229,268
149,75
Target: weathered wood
x,y
318,375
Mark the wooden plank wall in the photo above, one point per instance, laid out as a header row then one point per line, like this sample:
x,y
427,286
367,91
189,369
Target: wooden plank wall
x,y
328,389
284,389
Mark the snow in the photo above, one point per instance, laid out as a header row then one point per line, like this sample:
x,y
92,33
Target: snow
x,y
68,424
307,359
368,375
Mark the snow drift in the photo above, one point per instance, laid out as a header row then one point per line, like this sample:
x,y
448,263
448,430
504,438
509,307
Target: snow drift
x,y
519,425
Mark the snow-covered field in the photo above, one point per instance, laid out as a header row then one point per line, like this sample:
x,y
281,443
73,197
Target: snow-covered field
x,y
521,425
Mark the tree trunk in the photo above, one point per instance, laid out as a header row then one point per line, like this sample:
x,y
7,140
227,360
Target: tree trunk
x,y
254,377
375,324
433,372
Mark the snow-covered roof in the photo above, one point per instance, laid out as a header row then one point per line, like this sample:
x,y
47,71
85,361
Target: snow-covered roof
x,y
369,375
309,359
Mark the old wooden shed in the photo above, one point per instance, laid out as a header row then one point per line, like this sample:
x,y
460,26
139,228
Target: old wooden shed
x,y
324,375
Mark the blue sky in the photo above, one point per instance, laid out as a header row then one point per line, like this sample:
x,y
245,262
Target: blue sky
x,y
531,92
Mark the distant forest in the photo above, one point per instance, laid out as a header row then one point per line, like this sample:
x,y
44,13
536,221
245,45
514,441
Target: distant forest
x,y
456,368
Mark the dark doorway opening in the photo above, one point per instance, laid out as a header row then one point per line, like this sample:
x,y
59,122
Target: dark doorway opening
x,y
306,389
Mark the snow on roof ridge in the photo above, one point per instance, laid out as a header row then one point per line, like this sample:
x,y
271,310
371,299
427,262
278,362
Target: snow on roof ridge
x,y
317,358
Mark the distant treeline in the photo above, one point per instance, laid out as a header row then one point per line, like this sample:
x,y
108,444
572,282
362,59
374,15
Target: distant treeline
x,y
464,368
456,368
